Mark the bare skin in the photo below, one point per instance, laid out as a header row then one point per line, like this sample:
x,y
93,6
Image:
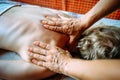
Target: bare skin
x,y
75,26
60,61
77,68
19,27
21,70
53,57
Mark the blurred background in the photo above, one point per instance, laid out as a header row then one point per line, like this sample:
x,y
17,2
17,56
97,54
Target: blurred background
x,y
77,6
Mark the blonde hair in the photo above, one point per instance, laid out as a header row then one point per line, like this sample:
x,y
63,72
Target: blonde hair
x,y
102,42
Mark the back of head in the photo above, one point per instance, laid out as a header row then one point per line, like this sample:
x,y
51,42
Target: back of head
x,y
101,42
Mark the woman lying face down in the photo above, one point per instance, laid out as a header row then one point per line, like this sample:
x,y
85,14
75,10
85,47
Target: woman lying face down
x,y
101,42
106,39
19,27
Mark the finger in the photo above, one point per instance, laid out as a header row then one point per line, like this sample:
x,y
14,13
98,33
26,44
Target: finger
x,y
56,28
68,54
55,21
38,50
52,18
42,45
37,56
71,39
62,17
48,22
39,63
30,54
64,29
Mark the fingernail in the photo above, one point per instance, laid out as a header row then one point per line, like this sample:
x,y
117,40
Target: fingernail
x,y
46,16
33,60
31,49
36,43
45,25
30,54
43,21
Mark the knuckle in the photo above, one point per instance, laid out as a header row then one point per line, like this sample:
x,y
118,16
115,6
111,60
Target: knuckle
x,y
38,63
35,55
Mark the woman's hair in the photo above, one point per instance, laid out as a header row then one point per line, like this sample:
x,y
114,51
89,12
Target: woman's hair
x,y
101,42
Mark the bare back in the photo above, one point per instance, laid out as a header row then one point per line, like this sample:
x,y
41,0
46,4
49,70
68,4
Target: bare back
x,y
20,26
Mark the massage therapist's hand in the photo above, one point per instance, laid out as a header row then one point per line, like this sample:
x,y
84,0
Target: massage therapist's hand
x,y
53,58
69,26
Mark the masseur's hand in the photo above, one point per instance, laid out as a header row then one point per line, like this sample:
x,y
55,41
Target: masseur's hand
x,y
69,26
51,57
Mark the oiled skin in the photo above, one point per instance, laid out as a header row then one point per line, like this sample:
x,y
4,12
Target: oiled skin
x,y
19,27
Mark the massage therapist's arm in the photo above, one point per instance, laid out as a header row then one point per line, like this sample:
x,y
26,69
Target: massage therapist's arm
x,y
93,70
75,26
60,61
101,9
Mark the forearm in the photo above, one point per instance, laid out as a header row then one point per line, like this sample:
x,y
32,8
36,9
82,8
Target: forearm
x,y
94,70
20,70
101,9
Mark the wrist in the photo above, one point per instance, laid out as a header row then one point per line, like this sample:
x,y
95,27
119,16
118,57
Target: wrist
x,y
64,66
88,20
85,22
71,69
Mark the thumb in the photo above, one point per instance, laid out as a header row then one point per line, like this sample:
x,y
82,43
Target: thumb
x,y
62,17
72,38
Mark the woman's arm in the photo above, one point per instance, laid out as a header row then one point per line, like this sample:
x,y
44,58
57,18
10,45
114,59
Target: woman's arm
x,y
59,60
93,70
21,70
76,26
101,9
